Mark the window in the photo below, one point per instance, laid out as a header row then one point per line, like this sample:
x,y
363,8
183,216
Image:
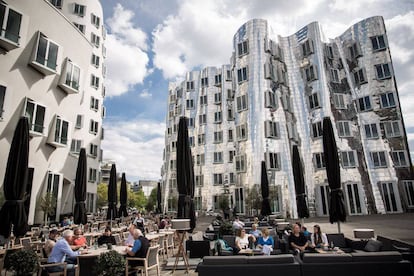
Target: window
x,y
371,131
349,159
218,136
335,76
201,139
10,22
232,179
344,129
242,74
191,141
59,134
400,158
355,51
230,94
190,104
199,180
240,163
379,159
271,129
359,76
272,160
93,127
95,40
339,101
383,71
204,82
94,81
310,73
270,99
92,175
364,103
241,132
75,146
70,77
392,129
93,150
190,122
173,145
202,119
387,100
56,3
329,52
190,85
217,80
103,51
319,160
217,117
200,159
79,121
80,27
218,179
46,55
409,191
231,155
217,98
228,75
229,135
230,114
2,96
95,60
243,48
173,164
378,43
95,20
317,129
218,157
94,104
241,103
314,101
79,9
36,115
307,47
203,100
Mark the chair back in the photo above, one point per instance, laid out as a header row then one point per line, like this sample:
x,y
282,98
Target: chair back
x,y
161,241
125,235
170,240
152,256
87,265
117,239
25,242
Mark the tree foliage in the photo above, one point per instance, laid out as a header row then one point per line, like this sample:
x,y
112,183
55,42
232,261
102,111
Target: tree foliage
x,y
253,200
135,199
152,200
48,205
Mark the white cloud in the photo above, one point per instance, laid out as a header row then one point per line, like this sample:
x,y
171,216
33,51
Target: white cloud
x,y
137,147
126,58
145,94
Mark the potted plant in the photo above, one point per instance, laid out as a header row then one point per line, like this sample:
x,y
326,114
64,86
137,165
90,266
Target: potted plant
x,y
23,262
226,228
48,205
110,263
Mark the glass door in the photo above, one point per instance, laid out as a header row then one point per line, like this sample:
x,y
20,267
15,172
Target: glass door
x,y
353,199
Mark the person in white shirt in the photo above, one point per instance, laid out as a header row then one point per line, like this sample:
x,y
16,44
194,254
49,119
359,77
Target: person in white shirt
x,y
318,239
130,240
242,239
237,224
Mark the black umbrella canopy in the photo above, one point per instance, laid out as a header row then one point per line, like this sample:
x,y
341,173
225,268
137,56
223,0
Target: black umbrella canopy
x,y
112,194
123,197
336,202
264,184
301,205
13,212
185,175
159,198
79,214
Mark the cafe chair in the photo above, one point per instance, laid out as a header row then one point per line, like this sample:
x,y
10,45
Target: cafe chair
x,y
117,239
86,265
125,235
25,242
151,261
44,265
170,244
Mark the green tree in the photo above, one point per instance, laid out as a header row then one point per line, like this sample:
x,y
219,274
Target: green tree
x,y
48,205
253,200
136,199
102,193
152,200
224,202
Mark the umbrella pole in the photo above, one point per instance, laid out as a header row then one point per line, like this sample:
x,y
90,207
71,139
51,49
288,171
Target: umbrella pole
x,y
302,221
339,227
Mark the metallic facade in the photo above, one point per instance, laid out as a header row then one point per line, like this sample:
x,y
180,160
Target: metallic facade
x,y
274,94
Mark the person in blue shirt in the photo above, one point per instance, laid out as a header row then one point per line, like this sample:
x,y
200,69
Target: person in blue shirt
x,y
139,249
255,232
61,251
266,242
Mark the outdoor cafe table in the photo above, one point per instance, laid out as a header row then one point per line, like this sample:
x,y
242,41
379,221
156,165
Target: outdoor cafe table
x,y
102,249
334,251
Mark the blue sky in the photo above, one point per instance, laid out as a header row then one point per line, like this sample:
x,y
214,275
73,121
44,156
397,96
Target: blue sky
x,y
152,42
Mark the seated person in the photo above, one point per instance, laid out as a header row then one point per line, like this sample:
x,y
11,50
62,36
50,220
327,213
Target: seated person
x,y
51,241
318,239
78,240
266,242
107,237
237,224
65,222
297,239
217,221
139,249
255,232
130,240
305,231
62,250
242,239
165,223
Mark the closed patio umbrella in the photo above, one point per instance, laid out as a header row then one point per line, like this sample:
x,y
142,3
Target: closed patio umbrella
x,y
337,211
112,194
264,184
159,198
13,213
185,175
123,197
301,205
79,214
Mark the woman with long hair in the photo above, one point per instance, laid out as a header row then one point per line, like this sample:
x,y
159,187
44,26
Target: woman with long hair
x,y
318,239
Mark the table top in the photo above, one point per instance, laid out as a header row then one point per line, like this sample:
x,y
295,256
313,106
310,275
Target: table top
x,y
102,249
334,251
250,252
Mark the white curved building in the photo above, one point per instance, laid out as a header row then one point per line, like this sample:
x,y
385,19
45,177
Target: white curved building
x,y
52,58
273,95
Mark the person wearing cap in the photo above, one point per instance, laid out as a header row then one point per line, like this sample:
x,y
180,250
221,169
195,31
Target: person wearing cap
x,y
51,241
107,237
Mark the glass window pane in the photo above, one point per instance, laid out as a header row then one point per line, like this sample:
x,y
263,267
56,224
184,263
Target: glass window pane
x,y
52,56
40,117
13,26
41,50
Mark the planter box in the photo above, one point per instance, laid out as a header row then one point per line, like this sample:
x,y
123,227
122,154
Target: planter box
x,y
180,224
